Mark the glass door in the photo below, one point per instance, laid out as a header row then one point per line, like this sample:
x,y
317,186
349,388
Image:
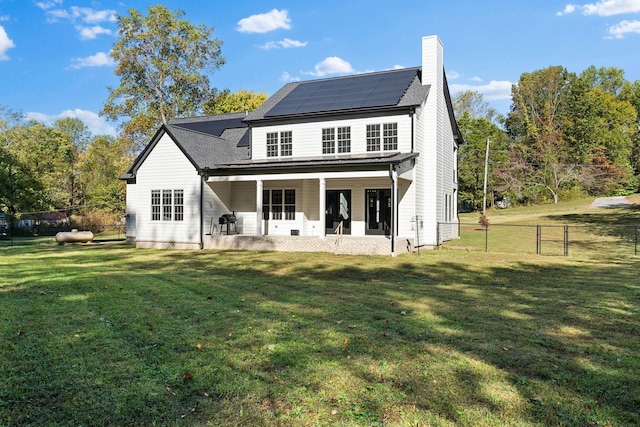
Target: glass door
x,y
338,210
378,212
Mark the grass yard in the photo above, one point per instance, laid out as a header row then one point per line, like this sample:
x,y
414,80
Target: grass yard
x,y
104,334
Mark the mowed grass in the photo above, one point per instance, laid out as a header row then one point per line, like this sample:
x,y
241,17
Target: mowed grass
x,y
611,232
105,334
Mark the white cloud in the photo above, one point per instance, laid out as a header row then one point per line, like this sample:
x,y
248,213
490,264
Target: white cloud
x,y
286,77
284,44
604,8
4,18
493,91
625,27
90,33
265,22
44,5
96,124
84,14
453,75
331,65
100,59
476,79
5,44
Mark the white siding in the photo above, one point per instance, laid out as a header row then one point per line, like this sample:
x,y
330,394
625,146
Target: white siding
x,y
307,137
166,168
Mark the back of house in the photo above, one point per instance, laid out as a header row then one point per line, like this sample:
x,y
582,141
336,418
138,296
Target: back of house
x,y
362,164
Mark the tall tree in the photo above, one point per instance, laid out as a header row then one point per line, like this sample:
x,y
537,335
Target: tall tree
x,y
476,133
100,167
472,104
236,102
536,124
164,63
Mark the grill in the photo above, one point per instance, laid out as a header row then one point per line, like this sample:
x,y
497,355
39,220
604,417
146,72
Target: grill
x,y
228,221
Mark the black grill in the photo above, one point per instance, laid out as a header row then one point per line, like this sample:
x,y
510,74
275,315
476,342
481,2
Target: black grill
x,y
229,222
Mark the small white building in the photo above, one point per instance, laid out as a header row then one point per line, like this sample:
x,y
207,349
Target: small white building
x,y
365,163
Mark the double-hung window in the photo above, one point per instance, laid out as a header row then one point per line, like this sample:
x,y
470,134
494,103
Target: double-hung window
x,y
280,143
328,141
340,137
390,136
279,204
344,139
373,137
167,205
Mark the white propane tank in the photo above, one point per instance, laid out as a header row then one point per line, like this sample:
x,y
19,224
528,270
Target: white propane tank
x,y
74,236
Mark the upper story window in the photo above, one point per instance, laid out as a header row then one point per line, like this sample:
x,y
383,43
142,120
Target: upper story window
x,y
328,141
280,142
373,137
344,139
390,134
387,139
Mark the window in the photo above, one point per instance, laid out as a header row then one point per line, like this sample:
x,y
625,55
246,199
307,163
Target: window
x,y
178,205
285,144
167,205
344,139
289,204
373,137
328,141
279,205
272,144
276,204
390,136
155,205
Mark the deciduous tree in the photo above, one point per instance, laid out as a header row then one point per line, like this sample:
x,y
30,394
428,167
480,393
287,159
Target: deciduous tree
x,y
164,63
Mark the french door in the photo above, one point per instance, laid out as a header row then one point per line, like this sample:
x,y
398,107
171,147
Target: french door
x,y
338,210
378,212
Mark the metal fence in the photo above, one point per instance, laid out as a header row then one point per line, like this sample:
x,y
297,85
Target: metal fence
x,y
551,240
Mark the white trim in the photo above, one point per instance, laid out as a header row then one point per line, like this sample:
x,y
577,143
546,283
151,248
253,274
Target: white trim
x,y
294,176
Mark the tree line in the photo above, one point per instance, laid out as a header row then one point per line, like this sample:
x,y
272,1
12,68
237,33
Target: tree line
x,y
566,135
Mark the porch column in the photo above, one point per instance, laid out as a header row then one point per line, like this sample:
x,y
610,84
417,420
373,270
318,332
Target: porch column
x,y
259,187
322,201
394,207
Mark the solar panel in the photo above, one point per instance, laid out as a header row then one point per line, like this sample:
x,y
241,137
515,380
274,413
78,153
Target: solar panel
x,y
213,127
343,93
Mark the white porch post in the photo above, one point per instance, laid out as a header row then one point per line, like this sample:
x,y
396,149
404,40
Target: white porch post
x,y
394,208
259,187
322,205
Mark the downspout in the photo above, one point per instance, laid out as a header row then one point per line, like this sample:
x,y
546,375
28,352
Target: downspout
x,y
202,178
413,128
393,174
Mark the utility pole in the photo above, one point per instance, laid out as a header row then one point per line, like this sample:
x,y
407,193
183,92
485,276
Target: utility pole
x,y
486,174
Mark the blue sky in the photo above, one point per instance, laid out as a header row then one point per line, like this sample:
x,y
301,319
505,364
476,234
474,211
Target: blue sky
x,y
54,54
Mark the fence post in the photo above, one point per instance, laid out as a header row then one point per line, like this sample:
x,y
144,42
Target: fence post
x,y
486,238
538,239
566,240
635,246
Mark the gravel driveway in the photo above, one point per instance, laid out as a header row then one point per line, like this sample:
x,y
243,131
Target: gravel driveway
x,y
610,202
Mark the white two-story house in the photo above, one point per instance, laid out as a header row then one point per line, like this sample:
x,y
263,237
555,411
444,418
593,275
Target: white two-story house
x,y
357,164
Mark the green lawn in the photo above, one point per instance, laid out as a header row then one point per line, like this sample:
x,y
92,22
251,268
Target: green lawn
x,y
104,334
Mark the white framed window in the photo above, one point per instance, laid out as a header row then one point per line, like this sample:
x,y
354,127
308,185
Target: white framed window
x,y
390,136
167,205
344,139
373,137
328,141
155,205
280,143
279,204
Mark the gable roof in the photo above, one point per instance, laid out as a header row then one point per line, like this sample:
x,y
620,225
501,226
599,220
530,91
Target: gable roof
x,y
204,141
